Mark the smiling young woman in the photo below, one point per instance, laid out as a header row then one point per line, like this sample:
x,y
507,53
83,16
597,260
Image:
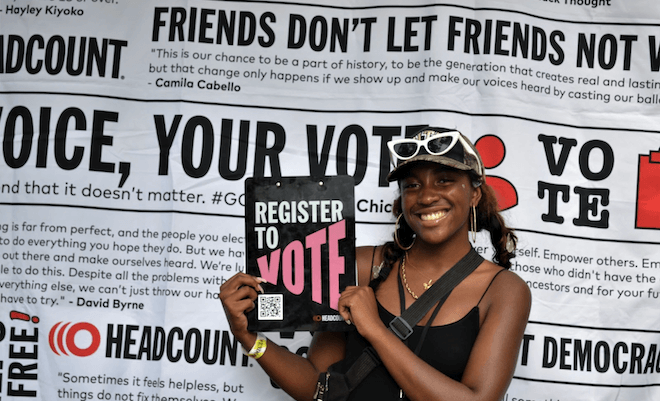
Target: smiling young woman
x,y
436,203
463,349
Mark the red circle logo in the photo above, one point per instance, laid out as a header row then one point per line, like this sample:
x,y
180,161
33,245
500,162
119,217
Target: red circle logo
x,y
62,338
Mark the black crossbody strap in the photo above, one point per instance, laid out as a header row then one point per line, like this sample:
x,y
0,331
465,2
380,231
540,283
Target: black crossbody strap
x,y
402,325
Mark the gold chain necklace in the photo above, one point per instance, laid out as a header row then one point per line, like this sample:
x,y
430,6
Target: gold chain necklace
x,y
428,284
405,281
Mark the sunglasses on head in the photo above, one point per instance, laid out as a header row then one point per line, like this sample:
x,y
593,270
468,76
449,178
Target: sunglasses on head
x,y
436,144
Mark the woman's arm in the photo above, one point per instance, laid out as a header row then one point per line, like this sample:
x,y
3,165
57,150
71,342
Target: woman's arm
x,y
492,360
296,375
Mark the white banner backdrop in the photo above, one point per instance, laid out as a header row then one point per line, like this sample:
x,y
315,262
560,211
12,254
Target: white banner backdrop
x,y
129,127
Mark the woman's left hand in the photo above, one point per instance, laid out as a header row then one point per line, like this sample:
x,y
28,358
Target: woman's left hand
x,y
357,305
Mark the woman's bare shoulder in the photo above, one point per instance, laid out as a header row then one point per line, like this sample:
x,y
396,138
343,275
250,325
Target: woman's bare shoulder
x,y
508,288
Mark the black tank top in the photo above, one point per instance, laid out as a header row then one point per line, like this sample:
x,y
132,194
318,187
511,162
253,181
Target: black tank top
x,y
447,348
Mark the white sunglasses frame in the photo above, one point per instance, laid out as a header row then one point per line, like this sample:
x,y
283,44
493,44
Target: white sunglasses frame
x,y
455,135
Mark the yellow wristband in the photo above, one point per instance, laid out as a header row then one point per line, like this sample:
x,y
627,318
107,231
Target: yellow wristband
x,y
259,347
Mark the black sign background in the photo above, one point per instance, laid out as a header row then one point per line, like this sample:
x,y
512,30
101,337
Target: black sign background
x,y
300,312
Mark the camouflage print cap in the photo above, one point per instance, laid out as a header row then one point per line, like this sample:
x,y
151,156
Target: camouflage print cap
x,y
462,155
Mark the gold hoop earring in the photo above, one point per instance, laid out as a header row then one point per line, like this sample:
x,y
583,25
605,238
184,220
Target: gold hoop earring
x,y
397,227
473,225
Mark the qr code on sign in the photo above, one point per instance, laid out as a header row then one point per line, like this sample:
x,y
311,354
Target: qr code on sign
x,y
270,307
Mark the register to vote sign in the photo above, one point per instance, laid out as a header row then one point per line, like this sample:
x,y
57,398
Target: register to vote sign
x,y
300,234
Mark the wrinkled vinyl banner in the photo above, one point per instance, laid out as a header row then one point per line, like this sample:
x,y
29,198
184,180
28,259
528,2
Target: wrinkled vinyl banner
x,y
129,128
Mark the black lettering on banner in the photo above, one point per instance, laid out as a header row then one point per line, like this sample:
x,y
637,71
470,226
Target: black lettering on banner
x,y
409,33
589,198
607,43
521,38
500,37
362,152
320,32
22,374
227,26
228,29
555,166
99,140
246,37
587,205
269,39
583,355
262,152
527,338
386,134
553,191
80,124
44,132
187,146
318,160
21,115
366,47
8,140
319,165
588,355
204,24
558,57
654,54
479,38
608,160
165,140
79,54
155,343
584,195
225,150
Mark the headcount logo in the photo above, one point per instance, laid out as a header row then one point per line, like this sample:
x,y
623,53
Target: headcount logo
x,y
149,343
73,56
62,339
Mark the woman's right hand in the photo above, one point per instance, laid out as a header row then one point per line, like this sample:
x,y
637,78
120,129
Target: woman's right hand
x,y
237,296
294,373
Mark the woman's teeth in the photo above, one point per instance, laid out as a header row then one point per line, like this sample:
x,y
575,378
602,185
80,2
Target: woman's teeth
x,y
433,216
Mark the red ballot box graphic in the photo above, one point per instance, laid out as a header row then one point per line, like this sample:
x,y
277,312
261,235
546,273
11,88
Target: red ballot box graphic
x,y
492,151
648,191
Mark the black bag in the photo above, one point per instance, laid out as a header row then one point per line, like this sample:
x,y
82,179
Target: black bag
x,y
336,386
